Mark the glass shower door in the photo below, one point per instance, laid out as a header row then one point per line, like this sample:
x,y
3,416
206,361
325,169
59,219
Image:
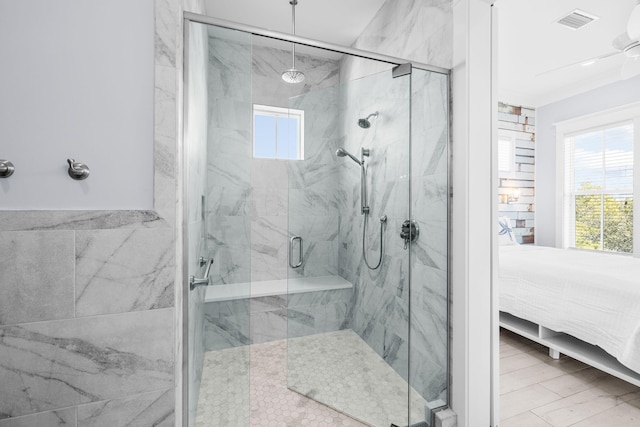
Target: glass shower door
x,y
218,154
348,300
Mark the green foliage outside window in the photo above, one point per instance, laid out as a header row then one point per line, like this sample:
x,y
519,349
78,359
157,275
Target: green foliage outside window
x,y
603,221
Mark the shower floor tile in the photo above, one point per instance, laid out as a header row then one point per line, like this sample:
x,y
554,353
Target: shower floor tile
x,y
247,386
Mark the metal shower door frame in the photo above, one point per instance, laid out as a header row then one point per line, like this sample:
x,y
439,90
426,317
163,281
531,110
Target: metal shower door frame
x,y
402,66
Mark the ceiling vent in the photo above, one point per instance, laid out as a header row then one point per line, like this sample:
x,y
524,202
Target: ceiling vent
x,y
577,19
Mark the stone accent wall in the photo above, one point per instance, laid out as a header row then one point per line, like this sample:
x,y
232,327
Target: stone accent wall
x,y
517,187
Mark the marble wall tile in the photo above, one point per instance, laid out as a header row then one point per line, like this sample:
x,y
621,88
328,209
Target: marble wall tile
x,y
229,160
269,248
268,64
114,275
268,326
148,409
60,418
79,220
229,65
37,276
235,200
56,364
166,32
229,242
269,201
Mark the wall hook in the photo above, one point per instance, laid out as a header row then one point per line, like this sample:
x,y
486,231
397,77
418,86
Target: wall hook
x,y
77,170
6,168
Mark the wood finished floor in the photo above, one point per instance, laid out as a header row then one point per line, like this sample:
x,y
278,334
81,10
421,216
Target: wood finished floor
x,y
538,391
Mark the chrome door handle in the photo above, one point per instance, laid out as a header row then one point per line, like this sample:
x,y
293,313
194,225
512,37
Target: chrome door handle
x,y
292,241
194,281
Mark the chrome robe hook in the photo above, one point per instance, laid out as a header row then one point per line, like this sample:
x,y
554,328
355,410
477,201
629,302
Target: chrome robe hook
x,y
6,168
77,170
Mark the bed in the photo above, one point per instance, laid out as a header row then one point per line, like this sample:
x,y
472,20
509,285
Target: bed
x,y
575,302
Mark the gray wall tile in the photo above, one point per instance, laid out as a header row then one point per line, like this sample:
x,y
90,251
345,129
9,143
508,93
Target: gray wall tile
x,y
61,418
149,409
62,363
37,276
124,270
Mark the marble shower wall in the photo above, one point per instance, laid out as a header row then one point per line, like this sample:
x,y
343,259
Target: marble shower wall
x,y
254,203
87,298
380,307
421,31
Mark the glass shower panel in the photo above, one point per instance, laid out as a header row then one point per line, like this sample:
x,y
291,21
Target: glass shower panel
x,y
428,355
348,330
218,151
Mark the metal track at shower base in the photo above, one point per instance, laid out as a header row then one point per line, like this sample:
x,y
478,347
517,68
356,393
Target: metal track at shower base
x,y
420,424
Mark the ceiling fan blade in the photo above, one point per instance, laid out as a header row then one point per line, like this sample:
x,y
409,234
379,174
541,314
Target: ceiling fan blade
x,y
622,41
633,26
630,68
583,62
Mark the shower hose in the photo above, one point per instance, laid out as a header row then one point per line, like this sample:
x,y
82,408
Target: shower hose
x,y
383,221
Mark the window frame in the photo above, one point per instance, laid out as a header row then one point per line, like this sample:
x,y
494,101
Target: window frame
x,y
583,124
273,111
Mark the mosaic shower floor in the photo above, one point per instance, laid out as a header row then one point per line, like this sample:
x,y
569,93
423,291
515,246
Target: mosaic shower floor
x,y
247,386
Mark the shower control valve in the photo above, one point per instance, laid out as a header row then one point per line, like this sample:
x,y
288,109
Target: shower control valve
x,y
409,232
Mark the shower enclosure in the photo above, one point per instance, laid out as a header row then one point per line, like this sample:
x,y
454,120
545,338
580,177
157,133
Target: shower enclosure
x,y
316,233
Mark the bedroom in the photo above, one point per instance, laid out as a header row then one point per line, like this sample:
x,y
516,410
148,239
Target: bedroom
x,y
569,104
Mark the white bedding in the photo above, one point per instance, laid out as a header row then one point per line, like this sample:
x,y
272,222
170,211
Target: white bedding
x,y
593,296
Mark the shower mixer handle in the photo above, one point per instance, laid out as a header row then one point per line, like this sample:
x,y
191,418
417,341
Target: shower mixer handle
x,y
409,232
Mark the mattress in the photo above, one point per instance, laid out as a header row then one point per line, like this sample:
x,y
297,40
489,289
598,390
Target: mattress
x,y
592,296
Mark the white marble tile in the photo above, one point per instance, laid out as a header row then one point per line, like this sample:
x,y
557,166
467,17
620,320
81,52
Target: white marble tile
x,y
148,409
37,273
229,166
78,220
114,275
166,30
269,248
165,122
56,364
61,418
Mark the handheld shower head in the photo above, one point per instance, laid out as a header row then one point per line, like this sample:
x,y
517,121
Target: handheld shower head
x,y
341,152
365,123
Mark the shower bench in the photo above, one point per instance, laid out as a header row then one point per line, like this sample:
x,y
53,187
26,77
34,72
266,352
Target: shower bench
x,y
248,313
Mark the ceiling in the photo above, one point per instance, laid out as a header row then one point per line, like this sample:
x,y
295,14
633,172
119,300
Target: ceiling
x,y
334,21
534,52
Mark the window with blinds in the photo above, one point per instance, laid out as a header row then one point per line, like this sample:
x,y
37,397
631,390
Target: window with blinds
x,y
599,188
505,154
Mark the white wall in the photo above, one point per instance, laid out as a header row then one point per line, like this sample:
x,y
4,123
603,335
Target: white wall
x,y
606,97
77,87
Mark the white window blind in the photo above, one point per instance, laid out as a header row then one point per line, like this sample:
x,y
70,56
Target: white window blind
x,y
599,188
505,155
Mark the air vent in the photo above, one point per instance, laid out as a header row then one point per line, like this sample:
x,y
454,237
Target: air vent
x,y
577,19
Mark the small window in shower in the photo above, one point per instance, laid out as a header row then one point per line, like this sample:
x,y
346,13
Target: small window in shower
x,y
278,133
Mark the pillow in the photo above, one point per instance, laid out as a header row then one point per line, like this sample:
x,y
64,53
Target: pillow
x,y
505,233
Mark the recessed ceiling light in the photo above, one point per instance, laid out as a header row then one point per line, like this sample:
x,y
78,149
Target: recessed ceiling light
x,y
577,19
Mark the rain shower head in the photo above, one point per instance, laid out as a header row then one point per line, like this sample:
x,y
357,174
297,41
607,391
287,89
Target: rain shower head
x,y
365,123
341,152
